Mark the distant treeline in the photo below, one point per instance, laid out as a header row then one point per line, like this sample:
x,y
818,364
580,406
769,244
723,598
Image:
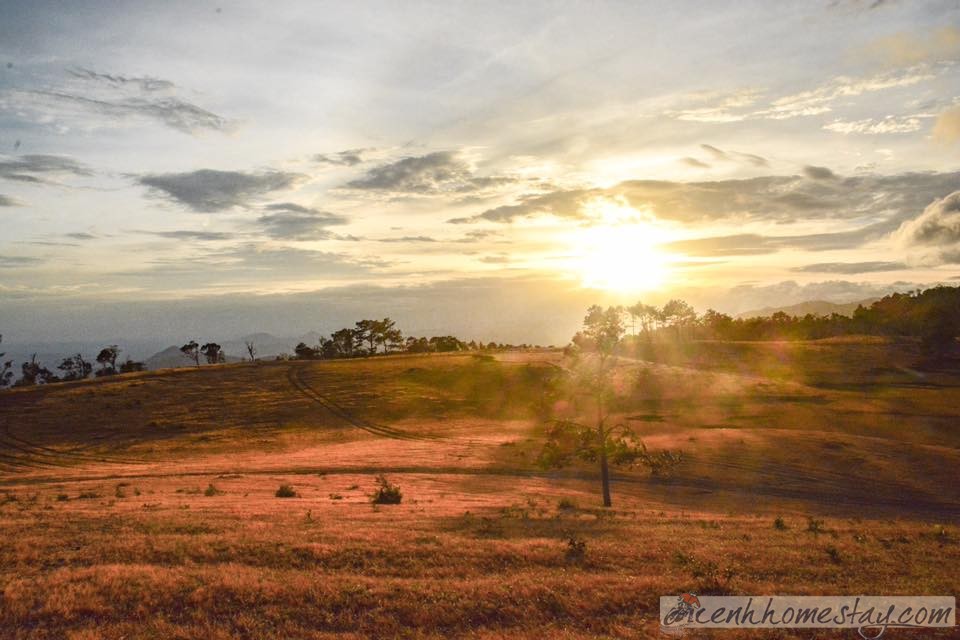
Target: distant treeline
x,y
931,315
366,338
370,337
74,367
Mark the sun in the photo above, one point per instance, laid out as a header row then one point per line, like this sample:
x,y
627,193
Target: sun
x,y
619,252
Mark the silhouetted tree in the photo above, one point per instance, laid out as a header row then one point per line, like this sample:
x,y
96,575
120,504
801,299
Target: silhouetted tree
x,y
251,350
34,373
679,315
602,329
367,332
345,342
303,352
75,368
191,350
387,335
131,366
213,353
6,373
107,359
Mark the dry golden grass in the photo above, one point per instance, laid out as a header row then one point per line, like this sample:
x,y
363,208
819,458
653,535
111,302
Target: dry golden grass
x,y
146,507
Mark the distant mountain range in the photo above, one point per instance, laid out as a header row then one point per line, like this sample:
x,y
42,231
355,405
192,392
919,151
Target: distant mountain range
x,y
267,347
815,307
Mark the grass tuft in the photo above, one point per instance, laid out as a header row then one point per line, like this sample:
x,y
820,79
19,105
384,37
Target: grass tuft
x,y
286,491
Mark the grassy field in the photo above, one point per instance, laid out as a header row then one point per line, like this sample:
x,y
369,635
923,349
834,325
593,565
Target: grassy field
x,y
146,506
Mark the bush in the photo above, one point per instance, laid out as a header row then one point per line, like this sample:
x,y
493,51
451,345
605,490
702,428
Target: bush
x,y
286,491
576,549
213,491
815,526
566,504
779,524
386,493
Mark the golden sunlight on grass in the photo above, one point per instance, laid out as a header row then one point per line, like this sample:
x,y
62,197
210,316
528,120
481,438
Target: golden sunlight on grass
x,y
619,251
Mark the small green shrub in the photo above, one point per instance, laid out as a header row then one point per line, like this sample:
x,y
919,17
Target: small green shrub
x,y
286,491
386,493
213,491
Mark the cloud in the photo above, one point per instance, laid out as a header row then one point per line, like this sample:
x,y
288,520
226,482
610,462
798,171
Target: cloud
x,y
144,83
437,172
749,244
113,98
693,162
818,173
850,268
478,235
80,235
938,225
6,201
562,204
208,190
720,155
906,48
409,239
290,221
947,126
731,108
499,258
13,262
186,234
888,199
348,158
37,168
875,126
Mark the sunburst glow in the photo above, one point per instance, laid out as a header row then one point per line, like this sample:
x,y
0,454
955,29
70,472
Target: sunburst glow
x,y
620,251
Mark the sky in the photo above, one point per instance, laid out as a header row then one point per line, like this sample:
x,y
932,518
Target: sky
x,y
483,169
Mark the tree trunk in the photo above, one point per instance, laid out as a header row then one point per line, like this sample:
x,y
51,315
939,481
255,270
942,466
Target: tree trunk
x,y
605,478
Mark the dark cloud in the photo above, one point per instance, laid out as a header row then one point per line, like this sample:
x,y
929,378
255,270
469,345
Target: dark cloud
x,y
438,172
7,202
144,83
850,268
115,97
348,158
818,173
693,162
562,204
38,168
171,111
207,190
80,235
290,221
888,199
